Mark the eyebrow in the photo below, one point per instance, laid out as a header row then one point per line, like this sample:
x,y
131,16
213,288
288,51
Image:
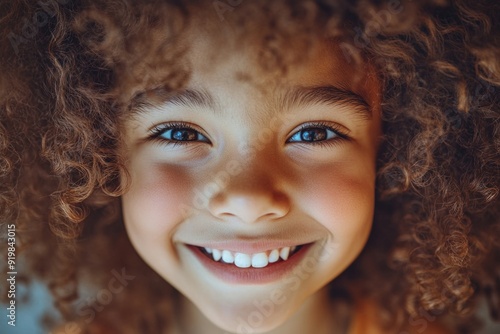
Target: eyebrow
x,y
303,96
193,98
158,97
295,97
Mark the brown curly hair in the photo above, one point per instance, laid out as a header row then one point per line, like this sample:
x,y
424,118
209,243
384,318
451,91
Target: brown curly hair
x,y
71,71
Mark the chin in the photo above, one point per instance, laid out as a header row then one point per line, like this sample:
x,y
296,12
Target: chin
x,y
251,318
252,323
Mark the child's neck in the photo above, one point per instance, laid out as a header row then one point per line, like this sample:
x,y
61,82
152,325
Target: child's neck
x,y
315,316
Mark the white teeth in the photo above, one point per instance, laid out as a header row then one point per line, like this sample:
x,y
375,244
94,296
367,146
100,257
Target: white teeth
x,y
285,251
259,260
274,256
242,260
216,254
227,256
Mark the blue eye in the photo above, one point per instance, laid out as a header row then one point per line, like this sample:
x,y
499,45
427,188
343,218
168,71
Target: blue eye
x,y
316,133
178,133
182,134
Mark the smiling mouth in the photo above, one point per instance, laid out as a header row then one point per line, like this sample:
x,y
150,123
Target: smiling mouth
x,y
256,260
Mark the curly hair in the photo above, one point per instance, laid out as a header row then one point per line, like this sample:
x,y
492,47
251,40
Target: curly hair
x,y
71,71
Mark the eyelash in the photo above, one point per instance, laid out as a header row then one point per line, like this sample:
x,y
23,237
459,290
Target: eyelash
x,y
157,131
341,134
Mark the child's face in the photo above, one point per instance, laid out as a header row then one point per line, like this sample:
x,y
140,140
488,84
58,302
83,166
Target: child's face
x,y
248,161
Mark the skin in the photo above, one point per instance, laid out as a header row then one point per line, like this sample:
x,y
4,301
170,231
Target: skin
x,y
277,189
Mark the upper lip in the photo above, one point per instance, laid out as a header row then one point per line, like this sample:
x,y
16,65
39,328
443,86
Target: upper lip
x,y
251,247
254,239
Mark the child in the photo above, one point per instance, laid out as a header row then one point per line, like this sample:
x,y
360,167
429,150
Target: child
x,y
254,167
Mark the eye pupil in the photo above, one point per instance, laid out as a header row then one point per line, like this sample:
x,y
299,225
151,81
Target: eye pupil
x,y
313,134
183,135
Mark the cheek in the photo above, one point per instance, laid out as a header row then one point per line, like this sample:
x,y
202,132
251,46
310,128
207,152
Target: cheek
x,y
341,198
153,205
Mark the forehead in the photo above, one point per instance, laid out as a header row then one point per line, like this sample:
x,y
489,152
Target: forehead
x,y
255,59
264,55
228,61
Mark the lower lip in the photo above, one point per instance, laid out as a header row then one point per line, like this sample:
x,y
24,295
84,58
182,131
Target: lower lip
x,y
232,274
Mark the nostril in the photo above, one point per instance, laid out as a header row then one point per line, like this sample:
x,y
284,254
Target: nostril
x,y
226,215
271,215
249,206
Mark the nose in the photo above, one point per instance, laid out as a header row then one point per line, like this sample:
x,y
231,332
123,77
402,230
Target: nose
x,y
249,199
